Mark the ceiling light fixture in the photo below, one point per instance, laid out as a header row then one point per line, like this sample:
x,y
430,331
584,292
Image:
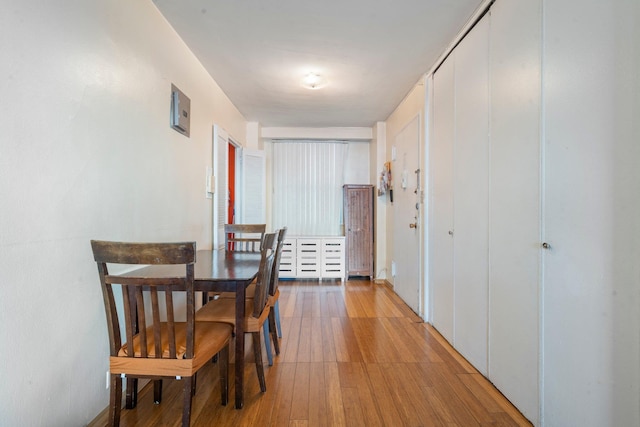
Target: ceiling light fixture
x,y
314,81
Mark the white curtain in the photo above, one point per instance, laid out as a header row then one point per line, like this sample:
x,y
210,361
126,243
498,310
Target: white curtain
x,y
307,186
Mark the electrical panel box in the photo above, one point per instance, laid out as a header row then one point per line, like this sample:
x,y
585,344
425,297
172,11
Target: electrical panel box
x,y
180,111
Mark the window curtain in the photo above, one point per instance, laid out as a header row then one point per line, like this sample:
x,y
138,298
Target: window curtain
x,y
307,186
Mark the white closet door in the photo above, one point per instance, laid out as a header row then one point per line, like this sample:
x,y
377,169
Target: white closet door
x,y
441,201
471,195
514,223
221,199
591,324
253,188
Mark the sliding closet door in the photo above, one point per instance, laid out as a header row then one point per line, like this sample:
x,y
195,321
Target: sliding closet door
x,y
441,201
514,225
591,294
471,195
485,204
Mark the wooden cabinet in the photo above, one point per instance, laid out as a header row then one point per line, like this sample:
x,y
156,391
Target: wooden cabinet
x,y
358,229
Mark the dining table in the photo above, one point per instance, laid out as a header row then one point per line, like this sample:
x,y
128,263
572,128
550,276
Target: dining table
x,y
220,271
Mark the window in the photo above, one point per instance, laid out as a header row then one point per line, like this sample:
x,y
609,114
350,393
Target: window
x,y
307,186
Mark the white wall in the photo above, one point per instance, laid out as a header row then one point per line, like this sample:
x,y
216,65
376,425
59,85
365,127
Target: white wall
x,y
87,153
357,164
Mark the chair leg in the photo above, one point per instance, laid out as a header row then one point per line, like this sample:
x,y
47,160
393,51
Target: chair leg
x,y
274,335
193,384
224,375
276,309
186,409
257,351
115,400
157,391
132,393
267,343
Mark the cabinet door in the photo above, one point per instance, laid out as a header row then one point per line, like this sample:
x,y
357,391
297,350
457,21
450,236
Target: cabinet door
x,y
358,222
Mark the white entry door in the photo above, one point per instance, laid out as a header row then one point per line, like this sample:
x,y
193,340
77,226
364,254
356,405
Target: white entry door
x,y
406,216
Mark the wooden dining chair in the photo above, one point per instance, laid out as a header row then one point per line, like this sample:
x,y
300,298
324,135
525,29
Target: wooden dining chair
x,y
272,329
274,294
243,237
239,238
156,348
256,308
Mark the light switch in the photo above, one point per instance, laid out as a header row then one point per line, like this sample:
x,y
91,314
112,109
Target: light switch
x,y
210,183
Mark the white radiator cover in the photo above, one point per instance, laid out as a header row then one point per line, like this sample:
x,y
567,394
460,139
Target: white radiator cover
x,y
313,257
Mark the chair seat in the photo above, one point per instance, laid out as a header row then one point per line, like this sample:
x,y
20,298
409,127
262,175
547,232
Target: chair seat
x,y
249,293
224,310
209,338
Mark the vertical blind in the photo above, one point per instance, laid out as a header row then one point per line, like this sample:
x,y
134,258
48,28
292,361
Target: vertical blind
x,y
307,186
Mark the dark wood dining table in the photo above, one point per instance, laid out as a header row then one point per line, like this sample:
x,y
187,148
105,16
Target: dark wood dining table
x,y
220,271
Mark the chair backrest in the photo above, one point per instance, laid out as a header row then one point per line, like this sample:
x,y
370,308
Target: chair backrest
x,y
268,253
136,302
273,284
243,237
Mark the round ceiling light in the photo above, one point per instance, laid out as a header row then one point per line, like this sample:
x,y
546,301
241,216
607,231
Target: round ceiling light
x,y
314,81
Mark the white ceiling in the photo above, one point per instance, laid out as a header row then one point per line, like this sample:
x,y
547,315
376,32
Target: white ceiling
x,y
372,52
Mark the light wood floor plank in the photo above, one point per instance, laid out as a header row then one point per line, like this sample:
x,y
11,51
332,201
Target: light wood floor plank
x,y
317,396
359,379
383,395
283,396
304,341
335,404
300,402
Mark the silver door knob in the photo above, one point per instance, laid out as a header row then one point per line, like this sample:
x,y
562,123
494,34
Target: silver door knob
x,y
450,232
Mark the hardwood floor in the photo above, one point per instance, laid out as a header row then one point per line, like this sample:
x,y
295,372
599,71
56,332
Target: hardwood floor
x,y
351,355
